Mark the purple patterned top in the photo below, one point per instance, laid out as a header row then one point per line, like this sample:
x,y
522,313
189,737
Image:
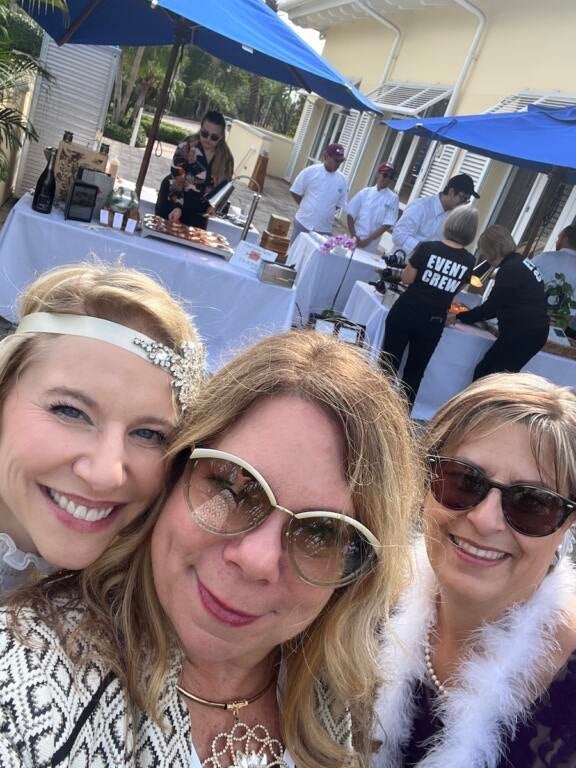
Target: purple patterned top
x,y
546,740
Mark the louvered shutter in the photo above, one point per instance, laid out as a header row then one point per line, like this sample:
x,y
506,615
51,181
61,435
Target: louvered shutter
x,y
409,98
301,131
438,170
475,166
356,144
348,130
77,100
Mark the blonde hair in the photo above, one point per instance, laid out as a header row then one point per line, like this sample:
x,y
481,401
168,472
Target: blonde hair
x,y
545,409
125,622
113,293
495,243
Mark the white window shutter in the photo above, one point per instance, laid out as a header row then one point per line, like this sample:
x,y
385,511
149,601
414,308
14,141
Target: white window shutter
x,y
77,100
475,166
348,130
301,131
356,144
438,170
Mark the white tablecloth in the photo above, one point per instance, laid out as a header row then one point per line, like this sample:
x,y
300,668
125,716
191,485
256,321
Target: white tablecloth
x,y
455,358
320,274
231,307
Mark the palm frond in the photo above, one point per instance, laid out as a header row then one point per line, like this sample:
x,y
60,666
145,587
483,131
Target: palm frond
x,y
55,5
16,69
14,128
3,165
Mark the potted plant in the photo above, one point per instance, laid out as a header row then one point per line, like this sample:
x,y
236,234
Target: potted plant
x,y
560,300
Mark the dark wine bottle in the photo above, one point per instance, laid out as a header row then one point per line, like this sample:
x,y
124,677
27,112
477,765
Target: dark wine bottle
x,y
46,185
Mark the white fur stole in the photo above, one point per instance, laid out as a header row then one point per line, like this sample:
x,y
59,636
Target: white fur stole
x,y
496,684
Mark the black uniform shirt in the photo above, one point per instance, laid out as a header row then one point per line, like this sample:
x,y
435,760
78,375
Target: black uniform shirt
x,y
441,271
517,299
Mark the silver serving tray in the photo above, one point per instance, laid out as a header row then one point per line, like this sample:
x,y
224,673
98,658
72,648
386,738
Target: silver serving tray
x,y
224,254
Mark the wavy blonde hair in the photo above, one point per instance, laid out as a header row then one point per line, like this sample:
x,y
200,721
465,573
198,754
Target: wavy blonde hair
x,y
124,621
114,293
495,243
545,409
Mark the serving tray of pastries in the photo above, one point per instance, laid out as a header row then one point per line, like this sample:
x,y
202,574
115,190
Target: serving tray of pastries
x,y
211,242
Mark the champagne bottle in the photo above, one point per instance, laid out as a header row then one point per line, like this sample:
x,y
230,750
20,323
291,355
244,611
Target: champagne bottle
x,y
46,186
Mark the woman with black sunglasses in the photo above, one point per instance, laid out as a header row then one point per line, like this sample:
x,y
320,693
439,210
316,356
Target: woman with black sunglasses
x,y
480,660
201,162
236,625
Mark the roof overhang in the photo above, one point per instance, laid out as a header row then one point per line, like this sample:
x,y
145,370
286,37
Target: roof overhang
x,y
322,14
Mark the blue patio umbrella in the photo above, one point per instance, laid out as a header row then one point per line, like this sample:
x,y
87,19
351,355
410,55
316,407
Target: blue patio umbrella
x,y
540,138
245,33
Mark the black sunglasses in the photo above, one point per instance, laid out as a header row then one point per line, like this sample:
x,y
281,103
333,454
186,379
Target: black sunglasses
x,y
528,509
207,135
386,175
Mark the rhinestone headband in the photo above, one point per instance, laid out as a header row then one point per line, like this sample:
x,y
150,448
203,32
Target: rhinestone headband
x,y
186,368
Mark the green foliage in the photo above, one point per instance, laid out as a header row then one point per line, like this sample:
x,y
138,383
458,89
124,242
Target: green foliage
x,y
560,299
123,133
202,83
168,133
17,68
23,33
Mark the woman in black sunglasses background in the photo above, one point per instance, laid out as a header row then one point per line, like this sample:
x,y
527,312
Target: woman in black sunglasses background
x,y
201,162
241,615
481,656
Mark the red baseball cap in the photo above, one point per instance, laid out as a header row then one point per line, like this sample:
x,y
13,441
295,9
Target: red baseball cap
x,y
336,151
386,168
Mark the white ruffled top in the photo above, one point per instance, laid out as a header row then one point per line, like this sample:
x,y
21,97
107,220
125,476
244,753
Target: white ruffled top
x,y
14,564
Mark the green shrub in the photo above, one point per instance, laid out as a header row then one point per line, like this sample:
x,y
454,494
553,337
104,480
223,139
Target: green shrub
x,y
168,133
124,134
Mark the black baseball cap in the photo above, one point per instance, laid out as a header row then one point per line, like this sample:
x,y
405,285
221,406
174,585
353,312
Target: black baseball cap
x,y
463,183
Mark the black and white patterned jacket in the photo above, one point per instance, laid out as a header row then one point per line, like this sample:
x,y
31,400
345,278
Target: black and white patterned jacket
x,y
53,713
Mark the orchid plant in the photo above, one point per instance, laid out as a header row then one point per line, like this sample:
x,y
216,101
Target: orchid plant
x,y
338,241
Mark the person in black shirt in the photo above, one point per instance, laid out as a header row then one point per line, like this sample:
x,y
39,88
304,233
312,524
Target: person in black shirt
x,y
517,300
436,271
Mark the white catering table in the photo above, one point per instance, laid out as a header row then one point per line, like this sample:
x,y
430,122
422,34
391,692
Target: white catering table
x,y
455,358
320,273
231,307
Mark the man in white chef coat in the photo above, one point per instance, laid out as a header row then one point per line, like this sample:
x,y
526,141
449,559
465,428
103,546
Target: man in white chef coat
x,y
374,210
320,190
423,219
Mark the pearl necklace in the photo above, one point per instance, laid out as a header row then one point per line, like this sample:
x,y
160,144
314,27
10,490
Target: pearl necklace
x,y
440,687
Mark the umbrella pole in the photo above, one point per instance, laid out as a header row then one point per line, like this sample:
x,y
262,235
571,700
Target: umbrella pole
x,y
161,105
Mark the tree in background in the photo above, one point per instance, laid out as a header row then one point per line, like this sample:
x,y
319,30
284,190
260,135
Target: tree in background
x,y
254,98
20,41
201,83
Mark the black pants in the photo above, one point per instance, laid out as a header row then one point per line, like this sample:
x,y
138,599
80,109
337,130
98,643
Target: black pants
x,y
410,325
510,353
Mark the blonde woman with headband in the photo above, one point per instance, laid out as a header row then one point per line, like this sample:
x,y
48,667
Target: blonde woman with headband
x,y
90,388
239,628
480,660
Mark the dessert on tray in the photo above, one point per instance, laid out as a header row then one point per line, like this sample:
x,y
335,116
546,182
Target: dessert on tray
x,y
201,238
